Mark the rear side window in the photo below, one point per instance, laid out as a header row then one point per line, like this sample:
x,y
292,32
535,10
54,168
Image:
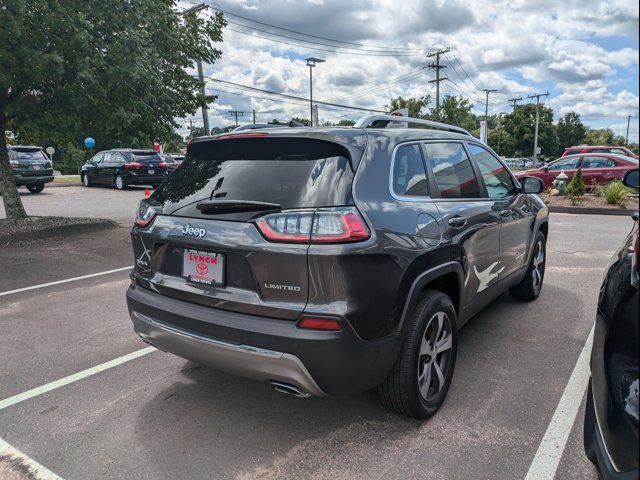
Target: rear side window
x,y
597,162
454,176
495,175
28,155
573,151
409,176
567,164
291,172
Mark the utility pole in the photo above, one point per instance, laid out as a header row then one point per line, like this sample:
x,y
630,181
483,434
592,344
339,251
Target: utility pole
x,y
515,102
311,62
535,137
205,110
626,141
437,67
500,130
486,103
254,116
236,113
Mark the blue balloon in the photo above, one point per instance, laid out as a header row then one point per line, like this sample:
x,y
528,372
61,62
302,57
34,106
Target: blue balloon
x,y
89,142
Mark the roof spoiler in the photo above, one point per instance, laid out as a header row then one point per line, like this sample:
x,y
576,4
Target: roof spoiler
x,y
382,121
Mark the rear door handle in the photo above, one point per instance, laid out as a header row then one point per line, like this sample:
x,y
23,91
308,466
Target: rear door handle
x,y
458,222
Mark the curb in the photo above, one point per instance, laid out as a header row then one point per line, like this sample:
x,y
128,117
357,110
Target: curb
x,y
63,184
592,211
57,230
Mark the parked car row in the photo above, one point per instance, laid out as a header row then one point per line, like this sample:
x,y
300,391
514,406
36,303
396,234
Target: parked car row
x,y
599,149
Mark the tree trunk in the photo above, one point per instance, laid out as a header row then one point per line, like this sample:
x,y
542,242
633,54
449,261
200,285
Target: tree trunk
x,y
12,202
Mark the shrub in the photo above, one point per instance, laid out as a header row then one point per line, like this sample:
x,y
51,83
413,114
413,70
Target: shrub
x,y
615,193
576,187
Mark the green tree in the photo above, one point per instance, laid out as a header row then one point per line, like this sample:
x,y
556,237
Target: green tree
x,y
603,136
520,124
570,130
415,105
113,70
501,142
456,110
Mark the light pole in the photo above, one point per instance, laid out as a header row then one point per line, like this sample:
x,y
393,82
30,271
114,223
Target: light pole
x,y
205,110
311,62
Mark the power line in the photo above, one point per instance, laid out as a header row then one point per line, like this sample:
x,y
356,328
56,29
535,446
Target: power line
x,y
333,49
285,95
380,86
364,46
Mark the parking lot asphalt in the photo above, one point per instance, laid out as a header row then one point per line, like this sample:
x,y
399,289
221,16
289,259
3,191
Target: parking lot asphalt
x,y
159,416
96,202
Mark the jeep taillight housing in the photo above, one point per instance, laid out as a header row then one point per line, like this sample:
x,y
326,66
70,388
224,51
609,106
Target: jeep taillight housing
x,y
132,165
324,225
146,212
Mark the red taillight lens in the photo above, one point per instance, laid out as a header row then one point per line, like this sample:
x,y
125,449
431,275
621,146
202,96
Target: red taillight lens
x,y
147,211
131,165
325,324
325,225
163,164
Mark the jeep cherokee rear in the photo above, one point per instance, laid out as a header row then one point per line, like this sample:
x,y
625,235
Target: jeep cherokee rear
x,y
330,261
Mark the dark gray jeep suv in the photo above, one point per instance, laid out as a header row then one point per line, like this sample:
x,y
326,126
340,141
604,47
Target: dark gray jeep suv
x,y
334,260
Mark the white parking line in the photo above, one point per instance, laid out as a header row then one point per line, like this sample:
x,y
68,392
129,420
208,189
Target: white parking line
x,y
11,460
547,458
34,392
66,280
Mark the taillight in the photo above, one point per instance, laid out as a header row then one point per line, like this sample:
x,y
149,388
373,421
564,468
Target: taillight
x,y
147,211
325,324
163,165
324,225
131,165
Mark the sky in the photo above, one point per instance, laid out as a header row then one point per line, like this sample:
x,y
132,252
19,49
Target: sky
x,y
584,53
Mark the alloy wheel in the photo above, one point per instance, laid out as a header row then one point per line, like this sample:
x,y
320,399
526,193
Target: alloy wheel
x,y
538,266
434,356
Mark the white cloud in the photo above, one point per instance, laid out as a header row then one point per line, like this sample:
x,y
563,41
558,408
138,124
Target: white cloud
x,y
516,46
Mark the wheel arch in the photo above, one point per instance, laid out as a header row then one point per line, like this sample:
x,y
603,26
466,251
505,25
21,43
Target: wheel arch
x,y
446,278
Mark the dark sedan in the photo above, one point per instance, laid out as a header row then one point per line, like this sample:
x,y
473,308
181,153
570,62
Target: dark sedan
x,y
611,418
123,167
597,168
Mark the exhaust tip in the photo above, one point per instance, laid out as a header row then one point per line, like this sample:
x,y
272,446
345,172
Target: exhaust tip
x,y
288,389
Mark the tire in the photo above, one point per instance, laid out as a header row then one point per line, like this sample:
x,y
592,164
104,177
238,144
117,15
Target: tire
x,y
36,187
589,431
119,182
85,180
414,388
531,285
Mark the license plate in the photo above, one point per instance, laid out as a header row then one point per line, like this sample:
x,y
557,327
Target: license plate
x,y
203,267
151,172
36,167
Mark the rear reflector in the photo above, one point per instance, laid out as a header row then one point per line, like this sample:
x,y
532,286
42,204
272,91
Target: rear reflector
x,y
326,324
325,225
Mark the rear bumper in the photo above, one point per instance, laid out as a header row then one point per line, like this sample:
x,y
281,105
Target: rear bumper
x,y
21,181
261,348
605,464
145,179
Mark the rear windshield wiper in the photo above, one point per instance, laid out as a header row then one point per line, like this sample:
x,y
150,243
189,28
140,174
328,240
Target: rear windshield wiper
x,y
231,206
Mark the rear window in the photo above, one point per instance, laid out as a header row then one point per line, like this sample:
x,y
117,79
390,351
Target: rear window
x,y
572,151
291,172
27,155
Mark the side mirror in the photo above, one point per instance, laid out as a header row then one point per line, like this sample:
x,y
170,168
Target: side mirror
x,y
531,185
631,179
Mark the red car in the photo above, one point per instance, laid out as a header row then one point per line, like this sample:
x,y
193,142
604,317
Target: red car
x,y
597,168
598,149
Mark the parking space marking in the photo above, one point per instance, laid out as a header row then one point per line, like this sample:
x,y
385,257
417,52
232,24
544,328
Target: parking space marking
x,y
13,460
547,458
66,280
34,392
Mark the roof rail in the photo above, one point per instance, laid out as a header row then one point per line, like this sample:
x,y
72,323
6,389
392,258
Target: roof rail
x,y
381,121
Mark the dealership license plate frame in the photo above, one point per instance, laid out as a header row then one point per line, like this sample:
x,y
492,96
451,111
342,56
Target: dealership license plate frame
x,y
190,266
